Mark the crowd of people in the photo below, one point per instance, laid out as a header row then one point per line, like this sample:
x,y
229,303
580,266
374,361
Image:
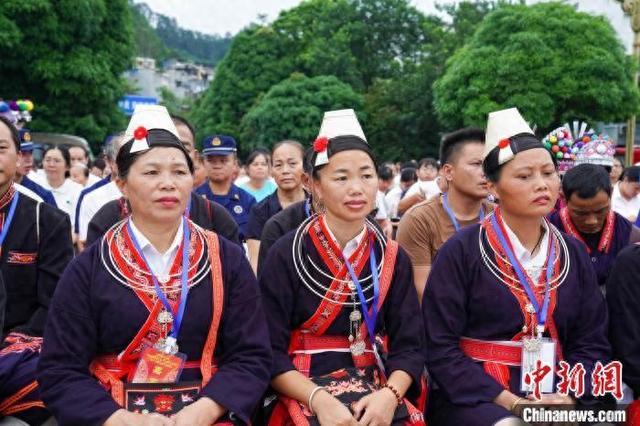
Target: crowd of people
x,y
162,285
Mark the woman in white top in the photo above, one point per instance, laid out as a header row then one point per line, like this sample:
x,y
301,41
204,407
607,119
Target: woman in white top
x,y
56,164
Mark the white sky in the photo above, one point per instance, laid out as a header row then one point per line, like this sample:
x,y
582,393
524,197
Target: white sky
x,y
222,16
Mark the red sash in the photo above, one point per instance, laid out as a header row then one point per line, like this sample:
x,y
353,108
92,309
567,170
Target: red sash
x,y
607,233
310,336
495,366
112,370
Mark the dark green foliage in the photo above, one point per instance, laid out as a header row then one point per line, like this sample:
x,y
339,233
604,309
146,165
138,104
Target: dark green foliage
x,y
357,41
551,61
67,56
293,109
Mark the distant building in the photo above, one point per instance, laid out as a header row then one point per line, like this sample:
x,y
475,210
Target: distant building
x,y
183,79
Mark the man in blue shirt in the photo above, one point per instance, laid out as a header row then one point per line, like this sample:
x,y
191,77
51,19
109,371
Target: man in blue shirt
x,y
219,152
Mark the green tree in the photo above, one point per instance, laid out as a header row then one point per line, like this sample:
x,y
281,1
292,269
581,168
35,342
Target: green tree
x,y
68,57
293,109
551,61
357,41
402,120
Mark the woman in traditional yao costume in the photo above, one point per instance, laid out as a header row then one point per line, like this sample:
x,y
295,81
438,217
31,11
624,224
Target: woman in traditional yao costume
x,y
156,296
508,292
330,288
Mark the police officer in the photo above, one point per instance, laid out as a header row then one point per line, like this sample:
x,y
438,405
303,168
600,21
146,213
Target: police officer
x,y
219,152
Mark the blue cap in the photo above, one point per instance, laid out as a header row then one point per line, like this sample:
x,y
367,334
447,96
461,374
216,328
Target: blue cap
x,y
26,144
218,145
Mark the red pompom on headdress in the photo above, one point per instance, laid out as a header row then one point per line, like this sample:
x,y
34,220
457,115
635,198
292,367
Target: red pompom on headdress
x,y
140,133
503,143
320,144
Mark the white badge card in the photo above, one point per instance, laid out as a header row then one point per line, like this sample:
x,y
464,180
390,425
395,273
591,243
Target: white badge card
x,y
534,349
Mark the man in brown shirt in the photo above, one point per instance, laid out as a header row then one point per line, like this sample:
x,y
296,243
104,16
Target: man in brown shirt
x,y
428,225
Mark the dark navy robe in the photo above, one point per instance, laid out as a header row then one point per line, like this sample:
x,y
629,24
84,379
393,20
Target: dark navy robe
x,y
94,315
463,298
259,215
32,260
623,298
289,303
603,262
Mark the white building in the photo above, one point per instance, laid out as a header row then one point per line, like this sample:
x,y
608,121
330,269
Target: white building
x,y
182,79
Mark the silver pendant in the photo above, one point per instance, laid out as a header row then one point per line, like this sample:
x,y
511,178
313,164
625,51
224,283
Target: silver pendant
x,y
351,285
355,316
165,317
168,345
529,307
357,348
532,344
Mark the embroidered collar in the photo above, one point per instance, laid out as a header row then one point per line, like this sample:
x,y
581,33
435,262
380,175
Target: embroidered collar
x,y
7,197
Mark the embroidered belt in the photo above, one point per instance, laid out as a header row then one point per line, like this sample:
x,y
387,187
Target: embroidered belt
x,y
502,352
111,363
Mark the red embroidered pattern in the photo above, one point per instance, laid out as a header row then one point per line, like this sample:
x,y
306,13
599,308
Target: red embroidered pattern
x,y
607,233
21,258
7,197
530,320
133,268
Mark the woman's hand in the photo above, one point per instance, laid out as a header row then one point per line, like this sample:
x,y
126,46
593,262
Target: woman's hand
x,y
551,399
330,411
203,412
377,408
123,417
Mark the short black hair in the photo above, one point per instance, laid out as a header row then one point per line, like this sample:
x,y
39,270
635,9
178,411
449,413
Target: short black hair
x,y
453,142
15,134
408,175
586,180
181,120
99,163
385,173
429,162
411,164
631,174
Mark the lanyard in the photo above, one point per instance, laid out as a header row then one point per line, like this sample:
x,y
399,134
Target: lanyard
x,y
7,222
307,207
184,279
452,216
369,319
541,312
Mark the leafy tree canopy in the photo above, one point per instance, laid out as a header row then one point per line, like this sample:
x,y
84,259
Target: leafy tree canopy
x,y
551,61
357,41
293,109
67,56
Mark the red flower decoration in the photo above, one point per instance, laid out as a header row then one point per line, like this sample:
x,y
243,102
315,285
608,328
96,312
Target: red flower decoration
x,y
140,133
320,144
503,143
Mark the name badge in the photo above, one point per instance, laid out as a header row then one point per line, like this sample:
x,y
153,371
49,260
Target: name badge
x,y
536,349
156,366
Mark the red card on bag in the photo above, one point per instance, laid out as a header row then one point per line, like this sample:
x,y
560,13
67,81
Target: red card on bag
x,y
158,367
